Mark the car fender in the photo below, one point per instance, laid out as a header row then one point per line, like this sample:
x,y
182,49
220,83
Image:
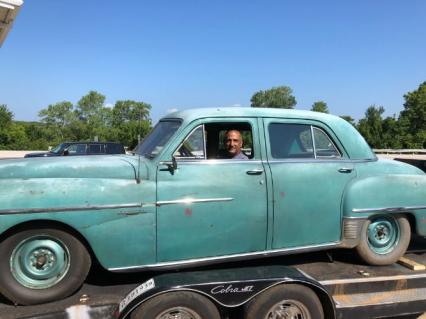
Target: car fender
x,y
386,194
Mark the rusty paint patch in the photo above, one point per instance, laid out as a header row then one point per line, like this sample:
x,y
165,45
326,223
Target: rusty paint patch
x,y
188,211
282,194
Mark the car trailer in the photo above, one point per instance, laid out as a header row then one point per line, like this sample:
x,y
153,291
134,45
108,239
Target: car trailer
x,y
308,291
309,286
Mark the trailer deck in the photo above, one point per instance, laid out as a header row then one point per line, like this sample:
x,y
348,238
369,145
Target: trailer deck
x,y
358,291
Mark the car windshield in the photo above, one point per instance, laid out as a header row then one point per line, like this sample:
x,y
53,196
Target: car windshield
x,y
58,149
152,145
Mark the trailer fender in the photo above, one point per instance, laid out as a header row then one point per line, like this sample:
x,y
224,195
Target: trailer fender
x,y
226,288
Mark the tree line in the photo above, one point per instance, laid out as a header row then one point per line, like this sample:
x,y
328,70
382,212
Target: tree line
x,y
90,119
127,121
405,130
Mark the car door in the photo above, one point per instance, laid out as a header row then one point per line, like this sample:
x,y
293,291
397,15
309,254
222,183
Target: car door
x,y
310,171
209,207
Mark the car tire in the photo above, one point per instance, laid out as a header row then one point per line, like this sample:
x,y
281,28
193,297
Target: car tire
x,y
181,304
285,301
384,239
42,265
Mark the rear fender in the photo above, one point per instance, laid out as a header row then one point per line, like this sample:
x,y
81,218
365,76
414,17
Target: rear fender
x,y
388,194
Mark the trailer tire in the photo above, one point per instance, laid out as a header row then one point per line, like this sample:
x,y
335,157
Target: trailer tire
x,y
180,304
285,301
42,265
384,239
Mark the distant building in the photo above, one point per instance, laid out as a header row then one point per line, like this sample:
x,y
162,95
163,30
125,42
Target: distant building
x,y
8,11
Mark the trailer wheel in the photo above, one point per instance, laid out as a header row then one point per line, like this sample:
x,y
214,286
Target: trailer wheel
x,y
384,239
41,265
285,301
181,304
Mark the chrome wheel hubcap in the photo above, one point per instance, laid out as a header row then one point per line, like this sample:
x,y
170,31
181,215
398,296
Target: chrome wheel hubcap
x,y
383,234
288,309
178,313
39,262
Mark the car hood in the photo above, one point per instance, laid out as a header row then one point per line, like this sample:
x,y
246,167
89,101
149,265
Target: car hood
x,y
41,154
108,166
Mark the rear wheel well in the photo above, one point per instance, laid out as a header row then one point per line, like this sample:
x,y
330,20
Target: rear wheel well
x,y
37,224
412,220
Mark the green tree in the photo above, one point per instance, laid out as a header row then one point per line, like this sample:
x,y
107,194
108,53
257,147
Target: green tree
x,y
6,118
57,118
371,126
277,97
17,137
392,135
130,119
91,111
36,135
413,118
320,106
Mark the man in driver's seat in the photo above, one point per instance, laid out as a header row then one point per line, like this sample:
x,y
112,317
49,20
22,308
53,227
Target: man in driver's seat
x,y
233,142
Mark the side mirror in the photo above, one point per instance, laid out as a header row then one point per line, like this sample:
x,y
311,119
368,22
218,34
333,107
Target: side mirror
x,y
171,165
65,152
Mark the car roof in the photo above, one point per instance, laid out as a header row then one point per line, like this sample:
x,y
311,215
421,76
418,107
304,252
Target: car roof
x,y
355,145
192,114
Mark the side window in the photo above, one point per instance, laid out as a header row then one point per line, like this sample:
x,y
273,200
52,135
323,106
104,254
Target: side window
x,y
77,149
96,149
300,141
290,141
193,146
324,147
217,146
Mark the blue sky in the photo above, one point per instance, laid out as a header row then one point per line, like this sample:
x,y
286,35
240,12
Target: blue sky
x,y
184,54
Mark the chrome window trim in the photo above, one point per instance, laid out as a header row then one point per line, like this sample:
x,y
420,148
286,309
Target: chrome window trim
x,y
388,209
313,142
234,257
331,141
185,139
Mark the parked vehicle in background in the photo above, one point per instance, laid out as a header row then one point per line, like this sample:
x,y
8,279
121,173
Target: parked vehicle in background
x,y
82,148
308,182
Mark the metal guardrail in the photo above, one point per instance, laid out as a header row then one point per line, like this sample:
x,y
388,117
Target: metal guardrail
x,y
400,151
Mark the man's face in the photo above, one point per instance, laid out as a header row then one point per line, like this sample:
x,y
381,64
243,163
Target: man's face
x,y
233,142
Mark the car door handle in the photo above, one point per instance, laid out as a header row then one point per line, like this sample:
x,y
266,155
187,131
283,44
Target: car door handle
x,y
255,171
345,170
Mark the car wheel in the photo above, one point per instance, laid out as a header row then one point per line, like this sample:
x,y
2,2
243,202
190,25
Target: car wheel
x,y
384,239
181,304
41,265
285,301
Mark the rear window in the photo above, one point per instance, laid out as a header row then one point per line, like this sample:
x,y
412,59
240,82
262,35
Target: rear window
x,y
114,149
96,149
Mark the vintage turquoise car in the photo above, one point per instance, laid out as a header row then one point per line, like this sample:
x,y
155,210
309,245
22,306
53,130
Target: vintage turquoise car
x,y
308,181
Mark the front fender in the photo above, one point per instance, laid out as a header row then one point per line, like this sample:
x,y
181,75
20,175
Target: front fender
x,y
108,213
